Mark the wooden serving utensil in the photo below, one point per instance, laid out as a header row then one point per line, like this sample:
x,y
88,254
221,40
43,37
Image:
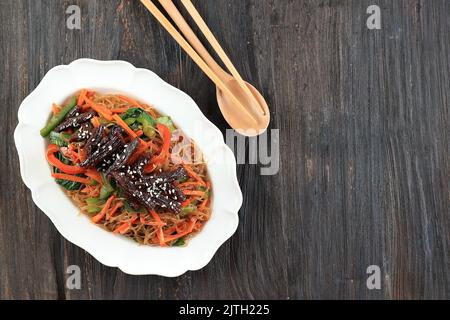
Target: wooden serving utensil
x,y
242,89
241,104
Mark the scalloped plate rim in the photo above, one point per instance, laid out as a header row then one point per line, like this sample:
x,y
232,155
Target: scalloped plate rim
x,y
190,265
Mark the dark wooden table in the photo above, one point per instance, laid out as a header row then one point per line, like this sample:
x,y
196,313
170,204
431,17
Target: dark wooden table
x,y
364,137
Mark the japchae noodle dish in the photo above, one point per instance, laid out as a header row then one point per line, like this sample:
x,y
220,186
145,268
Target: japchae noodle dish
x,y
128,168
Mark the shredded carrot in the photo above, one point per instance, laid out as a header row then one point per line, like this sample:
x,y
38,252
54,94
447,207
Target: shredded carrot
x,y
99,217
198,225
86,190
94,174
123,228
119,110
166,136
90,94
55,108
81,154
185,203
157,218
73,153
181,226
150,168
101,110
69,152
140,150
91,191
142,219
170,230
160,235
139,133
202,205
95,122
190,184
70,177
122,123
152,145
162,157
143,143
81,97
194,193
116,207
186,232
193,175
74,157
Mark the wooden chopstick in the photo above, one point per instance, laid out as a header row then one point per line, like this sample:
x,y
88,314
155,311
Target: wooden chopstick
x,y
189,34
192,53
218,48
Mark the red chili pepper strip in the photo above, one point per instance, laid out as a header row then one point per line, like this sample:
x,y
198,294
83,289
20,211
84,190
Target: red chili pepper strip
x,y
54,161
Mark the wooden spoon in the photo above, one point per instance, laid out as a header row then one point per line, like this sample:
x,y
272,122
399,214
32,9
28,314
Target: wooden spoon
x,y
242,92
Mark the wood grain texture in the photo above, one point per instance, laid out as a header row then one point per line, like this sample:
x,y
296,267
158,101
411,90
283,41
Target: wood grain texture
x,y
364,139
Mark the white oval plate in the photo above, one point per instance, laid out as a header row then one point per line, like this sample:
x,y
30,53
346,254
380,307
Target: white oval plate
x,y
114,250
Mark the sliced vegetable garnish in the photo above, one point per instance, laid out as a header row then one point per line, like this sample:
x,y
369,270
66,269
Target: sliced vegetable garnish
x,y
107,189
188,210
60,139
148,124
167,121
139,116
94,205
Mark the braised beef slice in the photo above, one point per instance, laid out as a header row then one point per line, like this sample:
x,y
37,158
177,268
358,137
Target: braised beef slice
x,y
155,191
126,184
120,159
84,133
107,147
75,122
93,142
74,112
